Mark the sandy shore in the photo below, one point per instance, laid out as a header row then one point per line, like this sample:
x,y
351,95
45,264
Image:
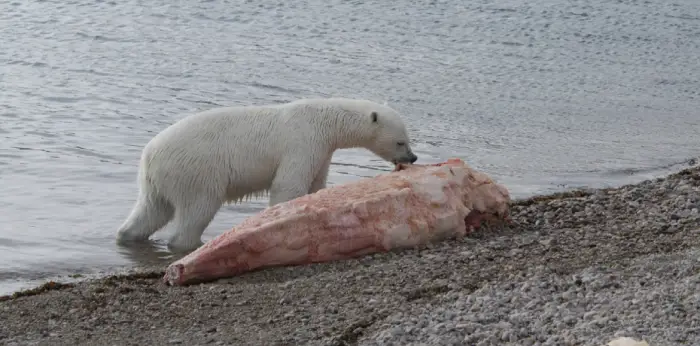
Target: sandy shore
x,y
576,269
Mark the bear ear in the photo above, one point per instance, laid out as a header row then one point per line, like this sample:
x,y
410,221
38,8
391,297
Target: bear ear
x,y
374,116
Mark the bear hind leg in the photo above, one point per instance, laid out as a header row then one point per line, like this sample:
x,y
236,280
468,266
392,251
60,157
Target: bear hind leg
x,y
148,215
190,222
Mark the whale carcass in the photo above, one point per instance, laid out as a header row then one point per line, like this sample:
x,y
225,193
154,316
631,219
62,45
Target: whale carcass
x,y
410,206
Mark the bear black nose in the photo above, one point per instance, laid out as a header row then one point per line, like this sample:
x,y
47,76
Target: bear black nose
x,y
414,158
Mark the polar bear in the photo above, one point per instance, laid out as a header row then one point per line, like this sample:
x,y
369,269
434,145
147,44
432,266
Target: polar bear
x,y
190,169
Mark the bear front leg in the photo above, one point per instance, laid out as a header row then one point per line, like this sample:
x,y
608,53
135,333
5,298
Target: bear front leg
x,y
293,180
321,177
287,191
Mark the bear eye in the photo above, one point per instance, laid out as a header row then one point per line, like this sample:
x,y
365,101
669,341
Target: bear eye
x,y
401,144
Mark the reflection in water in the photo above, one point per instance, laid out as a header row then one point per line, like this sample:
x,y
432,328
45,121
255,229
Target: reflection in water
x,y
152,253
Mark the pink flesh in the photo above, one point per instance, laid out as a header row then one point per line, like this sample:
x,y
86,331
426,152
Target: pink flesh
x,y
410,206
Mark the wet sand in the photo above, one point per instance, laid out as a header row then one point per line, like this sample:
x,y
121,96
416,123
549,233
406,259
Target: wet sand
x,y
577,268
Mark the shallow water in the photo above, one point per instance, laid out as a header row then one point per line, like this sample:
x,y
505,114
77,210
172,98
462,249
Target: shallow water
x,y
543,96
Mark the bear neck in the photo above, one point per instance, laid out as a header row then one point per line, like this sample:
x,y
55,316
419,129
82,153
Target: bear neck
x,y
338,122
350,132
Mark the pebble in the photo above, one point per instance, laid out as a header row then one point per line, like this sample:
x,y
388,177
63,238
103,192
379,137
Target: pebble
x,y
594,306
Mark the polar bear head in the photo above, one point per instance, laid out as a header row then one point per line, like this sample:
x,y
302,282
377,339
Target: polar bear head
x,y
353,123
389,138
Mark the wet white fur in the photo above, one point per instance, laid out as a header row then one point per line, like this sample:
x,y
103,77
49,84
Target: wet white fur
x,y
228,154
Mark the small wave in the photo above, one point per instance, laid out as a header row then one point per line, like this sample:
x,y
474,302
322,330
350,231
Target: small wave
x,y
67,99
651,170
88,71
101,38
11,158
91,153
43,134
76,151
203,102
9,115
509,43
613,172
682,16
500,9
24,148
28,63
63,99
657,169
223,19
27,276
272,87
13,242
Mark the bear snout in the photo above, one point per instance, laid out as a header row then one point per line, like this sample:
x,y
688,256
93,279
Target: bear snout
x,y
408,158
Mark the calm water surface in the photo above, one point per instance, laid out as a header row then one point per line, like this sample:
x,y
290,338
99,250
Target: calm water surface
x,y
542,95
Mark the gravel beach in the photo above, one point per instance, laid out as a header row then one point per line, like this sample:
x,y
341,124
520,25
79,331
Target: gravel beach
x,y
577,268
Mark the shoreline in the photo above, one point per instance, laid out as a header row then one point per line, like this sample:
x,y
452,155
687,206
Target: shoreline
x,y
55,282
594,235
65,277
152,273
